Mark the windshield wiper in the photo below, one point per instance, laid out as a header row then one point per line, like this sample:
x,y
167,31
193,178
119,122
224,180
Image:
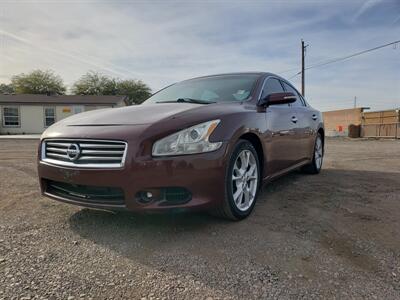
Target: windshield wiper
x,y
187,100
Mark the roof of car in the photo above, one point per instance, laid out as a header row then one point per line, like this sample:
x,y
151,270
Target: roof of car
x,y
235,73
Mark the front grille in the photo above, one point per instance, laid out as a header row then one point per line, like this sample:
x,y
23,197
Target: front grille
x,y
84,153
85,193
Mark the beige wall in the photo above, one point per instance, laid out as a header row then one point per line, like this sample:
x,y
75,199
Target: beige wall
x,y
92,107
32,117
337,121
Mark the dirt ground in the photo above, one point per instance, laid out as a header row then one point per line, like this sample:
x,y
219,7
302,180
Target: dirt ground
x,y
332,235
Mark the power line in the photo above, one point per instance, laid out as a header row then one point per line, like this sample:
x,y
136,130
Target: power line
x,y
337,59
298,73
287,70
352,55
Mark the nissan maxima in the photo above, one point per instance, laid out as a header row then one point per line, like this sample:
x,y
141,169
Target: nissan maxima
x,y
207,143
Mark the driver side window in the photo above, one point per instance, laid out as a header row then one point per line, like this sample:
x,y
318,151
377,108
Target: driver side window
x,y
298,102
272,85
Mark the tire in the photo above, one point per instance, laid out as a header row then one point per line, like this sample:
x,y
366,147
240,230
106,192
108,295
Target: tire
x,y
316,164
242,182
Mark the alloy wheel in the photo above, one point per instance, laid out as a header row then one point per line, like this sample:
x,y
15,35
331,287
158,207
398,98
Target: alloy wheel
x,y
318,153
244,180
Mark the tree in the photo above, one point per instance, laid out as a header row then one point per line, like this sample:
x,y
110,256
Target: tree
x,y
38,82
6,88
136,90
93,83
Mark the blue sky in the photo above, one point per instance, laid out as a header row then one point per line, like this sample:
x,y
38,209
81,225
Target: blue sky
x,y
162,42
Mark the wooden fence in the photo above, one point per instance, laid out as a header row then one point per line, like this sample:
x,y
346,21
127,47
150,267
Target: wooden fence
x,y
381,124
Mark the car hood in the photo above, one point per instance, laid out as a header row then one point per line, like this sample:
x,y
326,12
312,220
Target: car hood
x,y
150,122
132,115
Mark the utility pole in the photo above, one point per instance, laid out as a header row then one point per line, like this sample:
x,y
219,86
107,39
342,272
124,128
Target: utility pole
x,y
303,54
355,101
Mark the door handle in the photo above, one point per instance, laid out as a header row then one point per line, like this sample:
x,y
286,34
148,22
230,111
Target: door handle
x,y
294,119
314,117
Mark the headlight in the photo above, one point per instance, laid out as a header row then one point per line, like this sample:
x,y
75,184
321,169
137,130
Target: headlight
x,y
188,141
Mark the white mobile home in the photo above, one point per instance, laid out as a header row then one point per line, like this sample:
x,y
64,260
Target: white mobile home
x,y
32,114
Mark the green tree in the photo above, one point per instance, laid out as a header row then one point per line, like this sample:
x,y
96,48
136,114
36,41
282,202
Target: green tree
x,y
38,82
6,88
93,83
136,90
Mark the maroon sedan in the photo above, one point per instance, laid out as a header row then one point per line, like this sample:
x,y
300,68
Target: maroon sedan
x,y
206,143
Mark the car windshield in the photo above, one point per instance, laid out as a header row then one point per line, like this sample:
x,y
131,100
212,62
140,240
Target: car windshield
x,y
221,88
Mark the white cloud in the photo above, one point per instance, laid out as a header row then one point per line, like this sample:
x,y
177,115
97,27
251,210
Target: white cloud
x,y
365,7
163,42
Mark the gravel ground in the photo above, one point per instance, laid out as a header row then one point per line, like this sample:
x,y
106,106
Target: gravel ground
x,y
334,235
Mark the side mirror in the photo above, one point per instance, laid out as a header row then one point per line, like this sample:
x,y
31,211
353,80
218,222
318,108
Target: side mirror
x,y
278,98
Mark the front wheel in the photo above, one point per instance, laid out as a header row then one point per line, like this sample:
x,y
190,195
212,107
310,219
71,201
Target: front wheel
x,y
242,182
316,164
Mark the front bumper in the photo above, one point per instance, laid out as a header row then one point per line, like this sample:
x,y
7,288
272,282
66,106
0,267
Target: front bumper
x,y
203,175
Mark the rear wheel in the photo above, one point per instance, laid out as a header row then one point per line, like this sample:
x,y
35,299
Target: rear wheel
x,y
242,182
315,166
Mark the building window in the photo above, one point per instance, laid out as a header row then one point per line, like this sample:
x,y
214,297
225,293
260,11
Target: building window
x,y
78,109
49,116
11,117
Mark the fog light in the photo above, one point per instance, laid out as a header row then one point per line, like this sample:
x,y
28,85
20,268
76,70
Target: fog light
x,y
148,195
164,196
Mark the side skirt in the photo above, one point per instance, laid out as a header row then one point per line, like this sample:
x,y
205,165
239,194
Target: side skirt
x,y
284,172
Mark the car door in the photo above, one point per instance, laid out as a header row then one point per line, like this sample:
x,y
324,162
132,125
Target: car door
x,y
311,119
281,125
303,132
